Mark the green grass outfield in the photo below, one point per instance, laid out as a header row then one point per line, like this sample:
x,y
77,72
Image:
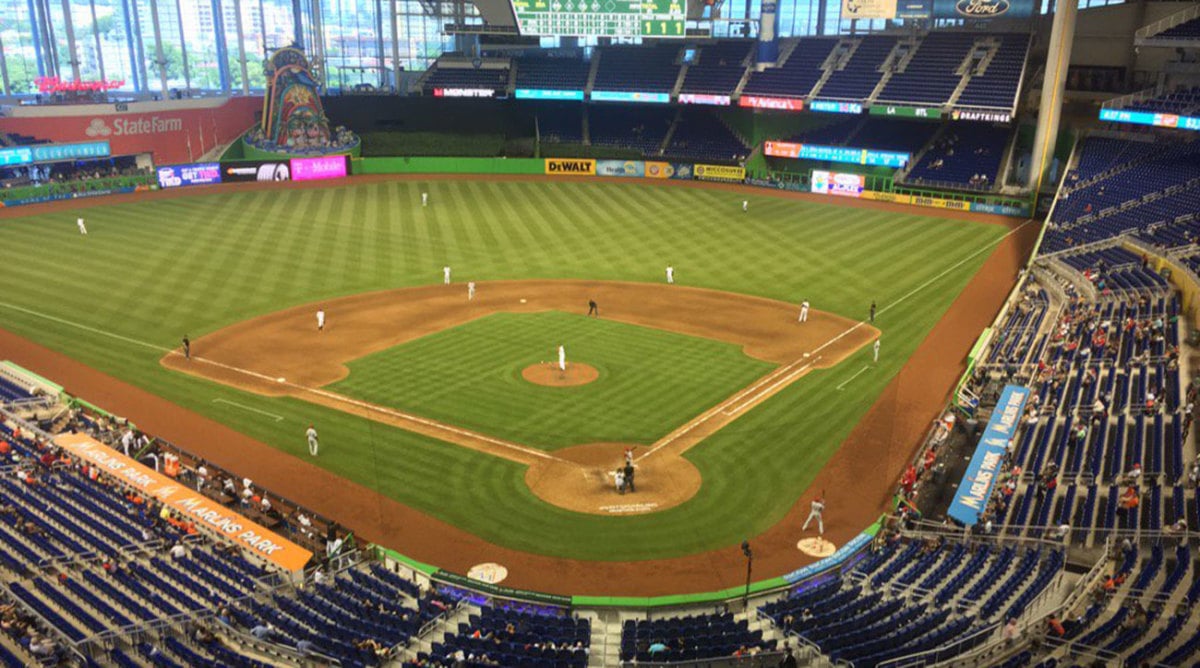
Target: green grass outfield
x,y
651,381
149,272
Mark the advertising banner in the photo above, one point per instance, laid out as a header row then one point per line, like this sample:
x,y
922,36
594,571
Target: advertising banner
x,y
58,197
547,94
624,96
980,115
174,176
464,92
570,167
719,173
834,183
857,156
781,103
868,9
681,170
24,155
172,131
1000,209
635,168
658,170
914,9
939,203
982,9
188,503
834,107
905,112
972,496
695,98
325,167
1156,119
886,197
255,170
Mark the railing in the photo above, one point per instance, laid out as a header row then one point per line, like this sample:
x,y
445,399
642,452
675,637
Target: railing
x,y
760,660
1123,101
941,653
1166,23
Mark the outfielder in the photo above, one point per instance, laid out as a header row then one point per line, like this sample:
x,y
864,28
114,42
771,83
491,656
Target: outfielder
x,y
446,275
424,199
745,206
320,319
818,507
82,227
876,347
562,358
804,311
670,274
470,290
313,445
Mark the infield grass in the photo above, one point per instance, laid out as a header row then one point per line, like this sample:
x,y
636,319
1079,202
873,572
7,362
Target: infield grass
x,y
651,381
149,272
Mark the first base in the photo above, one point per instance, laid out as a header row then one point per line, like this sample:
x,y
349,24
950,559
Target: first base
x,y
806,354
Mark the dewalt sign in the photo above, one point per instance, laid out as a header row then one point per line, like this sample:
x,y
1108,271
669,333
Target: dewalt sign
x,y
570,167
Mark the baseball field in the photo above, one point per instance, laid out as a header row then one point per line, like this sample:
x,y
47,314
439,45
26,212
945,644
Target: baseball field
x,y
419,393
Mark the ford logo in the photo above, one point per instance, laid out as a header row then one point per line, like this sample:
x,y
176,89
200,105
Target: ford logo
x,y
982,8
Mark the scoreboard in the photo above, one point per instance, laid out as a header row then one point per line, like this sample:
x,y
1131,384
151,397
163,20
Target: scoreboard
x,y
601,18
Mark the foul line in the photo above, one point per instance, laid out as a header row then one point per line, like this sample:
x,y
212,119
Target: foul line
x,y
860,372
277,418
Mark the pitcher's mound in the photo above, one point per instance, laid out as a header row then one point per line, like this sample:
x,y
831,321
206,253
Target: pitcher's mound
x,y
548,374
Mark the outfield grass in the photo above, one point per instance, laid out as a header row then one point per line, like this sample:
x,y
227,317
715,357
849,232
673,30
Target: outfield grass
x,y
651,381
148,273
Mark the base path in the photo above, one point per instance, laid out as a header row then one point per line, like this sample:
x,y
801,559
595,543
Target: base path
x,y
859,480
284,354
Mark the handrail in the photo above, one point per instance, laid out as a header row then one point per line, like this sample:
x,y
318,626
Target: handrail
x,y
760,660
1166,23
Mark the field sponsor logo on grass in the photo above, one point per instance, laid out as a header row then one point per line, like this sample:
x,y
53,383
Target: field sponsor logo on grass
x,y
976,487
836,183
659,170
571,167
720,173
188,503
635,168
491,573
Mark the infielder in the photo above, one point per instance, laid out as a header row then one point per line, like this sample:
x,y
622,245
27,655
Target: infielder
x,y
818,507
82,227
187,347
804,311
872,311
670,274
313,445
593,308
424,199
470,290
876,347
745,206
562,358
446,275
320,319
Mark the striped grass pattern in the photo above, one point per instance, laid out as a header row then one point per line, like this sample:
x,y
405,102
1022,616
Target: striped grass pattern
x,y
150,272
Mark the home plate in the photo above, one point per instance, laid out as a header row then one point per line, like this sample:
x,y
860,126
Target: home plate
x,y
816,547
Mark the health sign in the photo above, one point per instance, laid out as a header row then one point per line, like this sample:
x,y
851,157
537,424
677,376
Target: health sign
x,y
601,18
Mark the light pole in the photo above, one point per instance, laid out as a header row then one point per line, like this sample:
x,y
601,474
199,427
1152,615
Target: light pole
x,y
749,567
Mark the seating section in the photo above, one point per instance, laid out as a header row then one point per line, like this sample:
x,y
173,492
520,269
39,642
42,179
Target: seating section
x,y
560,122
719,69
886,134
552,73
996,86
857,80
1188,30
649,69
1115,270
798,73
640,128
688,638
967,155
1119,186
932,74
1183,101
909,597
515,637
701,136
10,391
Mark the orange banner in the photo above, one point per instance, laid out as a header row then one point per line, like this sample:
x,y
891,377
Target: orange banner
x,y
206,513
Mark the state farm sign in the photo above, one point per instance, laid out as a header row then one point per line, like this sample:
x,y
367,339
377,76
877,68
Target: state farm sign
x,y
133,126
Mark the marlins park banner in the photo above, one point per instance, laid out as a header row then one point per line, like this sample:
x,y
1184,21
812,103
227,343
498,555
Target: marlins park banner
x,y
570,167
719,173
868,9
205,512
976,487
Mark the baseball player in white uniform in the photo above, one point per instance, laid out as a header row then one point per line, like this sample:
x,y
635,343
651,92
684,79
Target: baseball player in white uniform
x,y
424,199
313,445
818,507
745,205
804,311
446,274
562,358
876,348
82,227
320,319
670,274
470,290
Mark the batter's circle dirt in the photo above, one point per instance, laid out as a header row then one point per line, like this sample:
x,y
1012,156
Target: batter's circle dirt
x,y
860,477
660,482
547,374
